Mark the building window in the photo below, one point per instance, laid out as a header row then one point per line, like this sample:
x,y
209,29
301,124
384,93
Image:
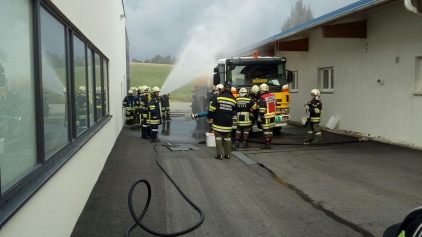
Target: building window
x,y
418,76
105,83
98,88
91,89
18,150
294,85
54,81
44,108
326,79
80,84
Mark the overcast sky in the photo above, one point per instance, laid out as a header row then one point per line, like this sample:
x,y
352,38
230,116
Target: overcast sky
x,y
162,27
199,32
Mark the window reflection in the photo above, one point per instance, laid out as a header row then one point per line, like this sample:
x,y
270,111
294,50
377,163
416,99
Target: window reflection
x,y
17,111
105,83
54,83
80,84
98,90
91,89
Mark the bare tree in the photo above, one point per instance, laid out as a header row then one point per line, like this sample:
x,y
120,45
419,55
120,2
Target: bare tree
x,y
298,14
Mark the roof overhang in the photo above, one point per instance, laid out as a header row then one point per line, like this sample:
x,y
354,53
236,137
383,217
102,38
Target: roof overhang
x,y
355,10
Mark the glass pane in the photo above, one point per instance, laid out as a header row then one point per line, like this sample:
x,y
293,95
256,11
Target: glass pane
x,y
325,78
17,108
332,79
98,86
293,83
54,83
80,84
91,88
105,66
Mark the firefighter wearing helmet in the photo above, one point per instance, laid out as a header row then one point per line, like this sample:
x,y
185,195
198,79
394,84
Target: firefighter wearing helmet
x,y
165,107
255,94
220,114
143,105
128,104
315,108
81,111
266,114
244,107
154,116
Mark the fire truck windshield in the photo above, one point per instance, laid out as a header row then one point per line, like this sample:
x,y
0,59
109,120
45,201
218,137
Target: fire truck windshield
x,y
255,74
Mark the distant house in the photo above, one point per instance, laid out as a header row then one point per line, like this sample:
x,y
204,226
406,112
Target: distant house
x,y
366,58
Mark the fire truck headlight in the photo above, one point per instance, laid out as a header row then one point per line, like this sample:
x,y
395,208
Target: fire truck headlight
x,y
285,111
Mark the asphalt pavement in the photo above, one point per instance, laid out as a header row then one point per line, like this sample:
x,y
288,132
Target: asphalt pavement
x,y
341,187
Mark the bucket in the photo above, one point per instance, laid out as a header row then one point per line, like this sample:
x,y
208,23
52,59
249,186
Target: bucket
x,y
303,120
1,145
210,139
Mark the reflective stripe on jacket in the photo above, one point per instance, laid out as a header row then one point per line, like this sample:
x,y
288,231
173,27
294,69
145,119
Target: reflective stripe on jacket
x,y
221,110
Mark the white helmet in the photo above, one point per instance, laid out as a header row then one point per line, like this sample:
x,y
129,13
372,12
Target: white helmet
x,y
130,91
255,89
82,89
140,89
156,89
316,92
219,87
243,91
264,87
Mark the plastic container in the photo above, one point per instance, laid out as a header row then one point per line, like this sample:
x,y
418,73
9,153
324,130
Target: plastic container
x,y
303,120
2,145
332,123
210,139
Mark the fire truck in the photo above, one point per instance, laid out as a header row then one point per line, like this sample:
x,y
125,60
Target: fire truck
x,y
249,71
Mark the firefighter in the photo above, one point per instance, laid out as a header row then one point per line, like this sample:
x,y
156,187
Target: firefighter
x,y
315,108
99,102
220,114
143,103
81,111
266,114
244,107
165,107
154,117
255,95
128,104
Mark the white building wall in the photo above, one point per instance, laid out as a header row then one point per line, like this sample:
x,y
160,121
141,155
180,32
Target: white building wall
x,y
387,111
56,207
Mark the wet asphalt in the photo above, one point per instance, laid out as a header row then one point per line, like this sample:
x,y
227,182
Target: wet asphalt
x,y
341,187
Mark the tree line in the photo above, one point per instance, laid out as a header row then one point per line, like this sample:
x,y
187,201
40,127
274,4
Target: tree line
x,y
158,59
299,13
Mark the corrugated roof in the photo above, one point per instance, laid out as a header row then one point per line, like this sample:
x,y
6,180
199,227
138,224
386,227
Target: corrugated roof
x,y
352,8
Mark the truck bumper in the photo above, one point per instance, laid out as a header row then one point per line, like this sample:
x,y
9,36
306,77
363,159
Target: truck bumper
x,y
281,120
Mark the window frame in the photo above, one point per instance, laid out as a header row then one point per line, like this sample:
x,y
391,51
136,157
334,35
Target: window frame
x,y
12,199
418,76
330,88
296,83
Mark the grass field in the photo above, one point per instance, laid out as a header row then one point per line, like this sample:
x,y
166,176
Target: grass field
x,y
154,75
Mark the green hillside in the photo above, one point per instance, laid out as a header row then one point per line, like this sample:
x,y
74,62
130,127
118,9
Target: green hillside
x,y
154,75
